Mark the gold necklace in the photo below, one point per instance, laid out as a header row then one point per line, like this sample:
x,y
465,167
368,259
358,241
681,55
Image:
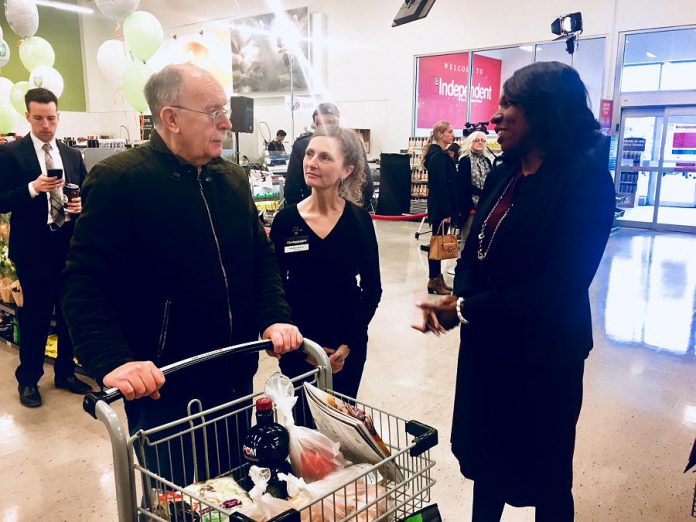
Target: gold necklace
x,y
482,235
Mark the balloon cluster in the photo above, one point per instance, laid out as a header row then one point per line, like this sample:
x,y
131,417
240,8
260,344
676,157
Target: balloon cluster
x,y
143,36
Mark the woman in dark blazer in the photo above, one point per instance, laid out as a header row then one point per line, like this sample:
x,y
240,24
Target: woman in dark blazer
x,y
472,171
521,298
442,205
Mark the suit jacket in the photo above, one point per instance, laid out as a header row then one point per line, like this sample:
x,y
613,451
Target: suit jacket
x,y
18,166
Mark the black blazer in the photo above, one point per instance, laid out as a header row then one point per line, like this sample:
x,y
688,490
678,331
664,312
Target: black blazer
x,y
465,188
18,166
442,197
529,298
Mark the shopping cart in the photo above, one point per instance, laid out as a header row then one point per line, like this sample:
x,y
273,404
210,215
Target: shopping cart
x,y
211,439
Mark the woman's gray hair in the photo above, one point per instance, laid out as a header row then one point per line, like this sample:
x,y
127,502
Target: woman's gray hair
x,y
351,188
164,88
471,137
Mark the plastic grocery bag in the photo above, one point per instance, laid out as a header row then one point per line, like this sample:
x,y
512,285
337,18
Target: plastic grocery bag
x,y
313,455
264,506
349,491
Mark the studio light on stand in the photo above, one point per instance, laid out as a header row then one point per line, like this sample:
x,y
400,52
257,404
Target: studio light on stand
x,y
568,27
412,10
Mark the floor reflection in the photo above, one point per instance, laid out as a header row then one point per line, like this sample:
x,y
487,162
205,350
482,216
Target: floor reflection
x,y
651,290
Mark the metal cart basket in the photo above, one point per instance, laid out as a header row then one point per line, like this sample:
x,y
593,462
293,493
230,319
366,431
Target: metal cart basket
x,y
205,444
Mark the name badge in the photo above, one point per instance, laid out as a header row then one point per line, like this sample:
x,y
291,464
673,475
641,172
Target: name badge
x,y
296,244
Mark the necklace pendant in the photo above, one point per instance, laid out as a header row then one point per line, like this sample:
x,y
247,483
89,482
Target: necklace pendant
x,y
481,235
481,256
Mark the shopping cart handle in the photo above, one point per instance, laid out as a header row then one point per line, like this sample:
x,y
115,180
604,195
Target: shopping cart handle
x,y
426,437
110,395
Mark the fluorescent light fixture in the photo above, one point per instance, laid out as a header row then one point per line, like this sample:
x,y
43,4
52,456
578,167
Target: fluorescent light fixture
x,y
65,7
527,48
650,55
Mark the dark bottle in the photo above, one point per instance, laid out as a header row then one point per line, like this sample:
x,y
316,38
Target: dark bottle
x,y
267,445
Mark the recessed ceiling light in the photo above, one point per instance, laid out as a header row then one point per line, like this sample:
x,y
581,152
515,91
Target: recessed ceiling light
x,y
650,55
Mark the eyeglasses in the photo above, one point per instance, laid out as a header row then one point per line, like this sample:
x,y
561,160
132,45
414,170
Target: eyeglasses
x,y
214,115
480,140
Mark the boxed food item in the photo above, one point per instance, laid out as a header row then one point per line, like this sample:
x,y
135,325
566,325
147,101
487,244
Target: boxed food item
x,y
222,492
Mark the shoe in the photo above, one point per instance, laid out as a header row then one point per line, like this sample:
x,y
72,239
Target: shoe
x,y
444,284
73,385
29,396
436,286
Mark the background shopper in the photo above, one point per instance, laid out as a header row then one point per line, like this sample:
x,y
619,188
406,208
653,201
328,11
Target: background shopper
x,y
41,228
472,171
276,145
521,294
323,244
441,195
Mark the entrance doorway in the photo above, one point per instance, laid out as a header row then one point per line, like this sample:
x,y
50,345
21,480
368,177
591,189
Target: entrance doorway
x,y
656,168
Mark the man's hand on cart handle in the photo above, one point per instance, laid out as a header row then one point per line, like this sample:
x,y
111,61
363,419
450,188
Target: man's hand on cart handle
x,y
136,379
285,337
439,316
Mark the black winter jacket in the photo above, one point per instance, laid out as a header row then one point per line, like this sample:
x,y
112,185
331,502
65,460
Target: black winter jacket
x,y
167,262
442,173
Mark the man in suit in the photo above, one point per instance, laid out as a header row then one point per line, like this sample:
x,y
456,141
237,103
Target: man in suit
x,y
325,115
41,225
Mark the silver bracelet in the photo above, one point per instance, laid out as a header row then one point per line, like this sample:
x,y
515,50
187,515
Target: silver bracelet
x,y
460,302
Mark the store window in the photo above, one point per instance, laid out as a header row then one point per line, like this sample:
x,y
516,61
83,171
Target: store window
x,y
659,61
588,54
442,89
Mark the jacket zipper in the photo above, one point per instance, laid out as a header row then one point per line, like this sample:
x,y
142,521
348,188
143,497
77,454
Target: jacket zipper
x,y
165,328
219,251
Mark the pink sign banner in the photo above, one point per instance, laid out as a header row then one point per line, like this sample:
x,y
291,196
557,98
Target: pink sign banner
x,y
442,89
485,88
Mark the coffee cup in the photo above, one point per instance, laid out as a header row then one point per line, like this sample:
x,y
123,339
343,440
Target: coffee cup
x,y
71,191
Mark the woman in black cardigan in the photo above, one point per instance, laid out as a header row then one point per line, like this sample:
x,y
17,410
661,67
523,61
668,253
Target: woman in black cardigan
x,y
472,171
441,195
521,297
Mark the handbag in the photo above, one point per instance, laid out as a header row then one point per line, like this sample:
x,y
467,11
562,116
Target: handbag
x,y
443,246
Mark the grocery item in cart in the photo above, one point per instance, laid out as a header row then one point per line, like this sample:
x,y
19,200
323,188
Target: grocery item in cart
x,y
221,492
264,506
267,445
313,455
347,491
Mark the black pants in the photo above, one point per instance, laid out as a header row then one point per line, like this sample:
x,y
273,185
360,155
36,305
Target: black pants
x,y
556,506
435,265
39,280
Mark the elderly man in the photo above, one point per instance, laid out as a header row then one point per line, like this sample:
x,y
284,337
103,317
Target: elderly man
x,y
169,260
325,115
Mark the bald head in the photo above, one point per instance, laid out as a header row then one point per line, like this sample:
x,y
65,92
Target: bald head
x,y
167,86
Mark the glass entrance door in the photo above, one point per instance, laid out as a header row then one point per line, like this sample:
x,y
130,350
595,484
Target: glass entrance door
x,y
656,168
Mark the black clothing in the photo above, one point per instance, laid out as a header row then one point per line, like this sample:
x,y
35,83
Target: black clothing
x,y
38,254
530,327
441,178
326,301
295,187
466,189
276,146
435,265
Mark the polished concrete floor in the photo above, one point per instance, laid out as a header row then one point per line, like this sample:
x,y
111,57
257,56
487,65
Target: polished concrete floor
x,y
635,432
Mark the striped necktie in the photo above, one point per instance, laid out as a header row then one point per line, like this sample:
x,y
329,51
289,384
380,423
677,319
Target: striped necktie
x,y
55,196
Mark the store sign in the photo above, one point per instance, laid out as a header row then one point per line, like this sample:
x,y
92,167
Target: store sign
x,y
485,88
606,110
443,82
682,137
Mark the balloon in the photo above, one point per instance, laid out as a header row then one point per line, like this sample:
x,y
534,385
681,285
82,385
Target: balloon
x,y
143,34
8,118
5,86
117,9
134,80
48,78
36,52
4,52
17,93
111,59
23,16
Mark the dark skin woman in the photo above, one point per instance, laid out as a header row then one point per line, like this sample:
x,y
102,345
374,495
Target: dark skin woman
x,y
521,298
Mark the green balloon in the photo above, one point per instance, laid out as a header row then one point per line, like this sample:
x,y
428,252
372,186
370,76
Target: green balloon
x,y
17,93
8,118
143,34
36,52
133,82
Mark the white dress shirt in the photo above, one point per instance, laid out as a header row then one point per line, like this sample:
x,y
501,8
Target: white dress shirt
x,y
57,164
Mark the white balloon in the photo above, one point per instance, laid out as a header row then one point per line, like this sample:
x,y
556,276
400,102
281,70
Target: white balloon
x,y
5,86
112,60
23,16
117,9
4,52
48,78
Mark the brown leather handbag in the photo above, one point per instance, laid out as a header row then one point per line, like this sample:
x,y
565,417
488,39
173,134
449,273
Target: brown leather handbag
x,y
443,246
